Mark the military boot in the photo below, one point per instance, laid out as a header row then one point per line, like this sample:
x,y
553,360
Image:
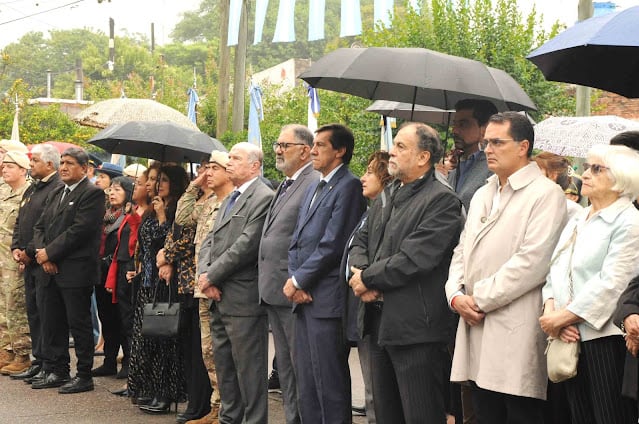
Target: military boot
x,y
6,357
19,364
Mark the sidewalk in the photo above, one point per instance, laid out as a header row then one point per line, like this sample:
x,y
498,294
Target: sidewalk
x,y
20,404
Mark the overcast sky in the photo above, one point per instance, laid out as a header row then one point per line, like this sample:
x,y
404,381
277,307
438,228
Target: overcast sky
x,y
137,15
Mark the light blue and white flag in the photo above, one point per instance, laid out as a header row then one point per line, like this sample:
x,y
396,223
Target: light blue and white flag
x,y
316,16
387,123
383,12
285,27
235,13
313,108
256,114
260,15
193,101
351,18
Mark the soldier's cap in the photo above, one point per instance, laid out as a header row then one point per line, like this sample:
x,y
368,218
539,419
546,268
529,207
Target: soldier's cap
x,y
221,158
13,145
111,169
134,170
19,158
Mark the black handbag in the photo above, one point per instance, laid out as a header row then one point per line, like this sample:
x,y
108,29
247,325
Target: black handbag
x,y
161,319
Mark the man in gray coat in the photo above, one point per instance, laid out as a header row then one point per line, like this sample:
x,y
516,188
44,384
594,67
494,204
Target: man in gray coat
x,y
227,270
469,126
292,157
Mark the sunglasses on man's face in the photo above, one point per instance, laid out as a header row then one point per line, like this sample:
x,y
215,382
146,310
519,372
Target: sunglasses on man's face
x,y
595,168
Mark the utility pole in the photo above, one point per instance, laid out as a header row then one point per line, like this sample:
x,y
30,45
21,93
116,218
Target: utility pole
x,y
239,78
584,11
224,67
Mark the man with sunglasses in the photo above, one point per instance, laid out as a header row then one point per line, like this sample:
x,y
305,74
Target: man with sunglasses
x,y
469,126
496,276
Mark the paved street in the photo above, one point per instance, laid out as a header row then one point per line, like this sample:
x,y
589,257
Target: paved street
x,y
20,404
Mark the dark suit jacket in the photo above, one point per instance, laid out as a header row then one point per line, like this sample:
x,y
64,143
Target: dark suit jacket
x,y
475,178
276,237
405,250
319,239
628,304
229,253
70,233
33,202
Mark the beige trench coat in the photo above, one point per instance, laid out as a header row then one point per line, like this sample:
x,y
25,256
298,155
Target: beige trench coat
x,y
502,260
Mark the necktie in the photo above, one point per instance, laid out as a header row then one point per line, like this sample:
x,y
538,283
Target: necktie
x,y
318,191
285,185
66,191
232,198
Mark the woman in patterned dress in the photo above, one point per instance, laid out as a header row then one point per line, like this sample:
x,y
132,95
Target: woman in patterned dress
x,y
156,378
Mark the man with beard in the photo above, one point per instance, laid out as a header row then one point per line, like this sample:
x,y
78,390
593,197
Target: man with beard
x,y
469,126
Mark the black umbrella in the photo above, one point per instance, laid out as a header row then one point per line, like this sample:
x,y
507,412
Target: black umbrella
x,y
163,141
415,76
600,52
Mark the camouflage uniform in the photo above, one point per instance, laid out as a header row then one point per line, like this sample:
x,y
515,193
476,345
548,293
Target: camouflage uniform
x,y
189,211
14,327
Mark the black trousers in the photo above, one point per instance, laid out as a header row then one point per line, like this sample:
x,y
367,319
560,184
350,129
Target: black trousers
x,y
65,309
594,395
198,385
494,407
110,321
408,381
33,316
126,301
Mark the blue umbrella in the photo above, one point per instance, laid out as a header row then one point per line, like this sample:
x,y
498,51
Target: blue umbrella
x,y
600,52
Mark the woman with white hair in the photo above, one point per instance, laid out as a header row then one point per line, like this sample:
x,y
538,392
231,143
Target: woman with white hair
x,y
595,258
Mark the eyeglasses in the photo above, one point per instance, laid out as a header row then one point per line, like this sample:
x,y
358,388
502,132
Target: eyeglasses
x,y
494,142
595,169
285,146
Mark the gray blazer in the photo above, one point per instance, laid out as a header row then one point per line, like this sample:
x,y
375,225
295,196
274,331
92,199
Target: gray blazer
x,y
276,236
229,253
474,179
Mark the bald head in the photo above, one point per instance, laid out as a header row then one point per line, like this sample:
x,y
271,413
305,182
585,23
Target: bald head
x,y
245,163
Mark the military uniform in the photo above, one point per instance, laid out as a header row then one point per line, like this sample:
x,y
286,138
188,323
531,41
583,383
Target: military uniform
x,y
14,328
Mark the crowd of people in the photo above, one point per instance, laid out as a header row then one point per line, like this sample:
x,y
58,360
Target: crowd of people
x,y
447,274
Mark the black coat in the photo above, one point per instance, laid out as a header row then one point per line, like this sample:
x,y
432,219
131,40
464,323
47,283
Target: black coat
x,y
406,247
33,202
70,233
628,304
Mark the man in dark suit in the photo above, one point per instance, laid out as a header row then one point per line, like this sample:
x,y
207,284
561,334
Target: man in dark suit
x,y
330,211
67,241
400,260
227,269
292,157
469,126
45,160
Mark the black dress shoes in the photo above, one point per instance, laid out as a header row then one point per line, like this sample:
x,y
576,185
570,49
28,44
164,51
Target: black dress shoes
x,y
104,370
77,385
184,417
51,380
39,376
28,373
122,392
158,407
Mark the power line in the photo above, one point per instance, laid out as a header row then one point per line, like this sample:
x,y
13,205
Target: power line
x,y
41,12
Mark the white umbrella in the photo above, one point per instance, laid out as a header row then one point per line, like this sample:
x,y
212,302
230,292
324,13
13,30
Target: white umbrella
x,y
574,136
119,111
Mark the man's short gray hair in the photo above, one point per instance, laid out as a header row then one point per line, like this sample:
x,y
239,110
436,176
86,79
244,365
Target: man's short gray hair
x,y
77,153
427,140
301,133
47,153
253,152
